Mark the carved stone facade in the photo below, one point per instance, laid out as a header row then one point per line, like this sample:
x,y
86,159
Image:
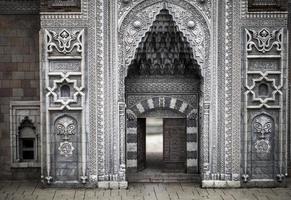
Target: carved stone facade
x,y
218,64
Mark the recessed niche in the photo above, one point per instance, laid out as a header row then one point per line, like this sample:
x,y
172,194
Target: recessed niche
x,y
263,90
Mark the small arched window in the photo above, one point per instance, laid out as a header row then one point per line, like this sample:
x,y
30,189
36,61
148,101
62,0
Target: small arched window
x,y
27,140
65,91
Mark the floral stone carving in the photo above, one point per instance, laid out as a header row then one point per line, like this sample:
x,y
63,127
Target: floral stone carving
x,y
66,148
64,42
264,40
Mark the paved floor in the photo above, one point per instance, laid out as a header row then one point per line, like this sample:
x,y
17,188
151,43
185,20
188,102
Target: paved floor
x,y
184,191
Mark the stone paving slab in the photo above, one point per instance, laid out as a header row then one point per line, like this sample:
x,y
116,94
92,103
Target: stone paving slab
x,y
139,191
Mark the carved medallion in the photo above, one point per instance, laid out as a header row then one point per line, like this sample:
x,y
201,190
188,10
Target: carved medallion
x,y
66,148
263,146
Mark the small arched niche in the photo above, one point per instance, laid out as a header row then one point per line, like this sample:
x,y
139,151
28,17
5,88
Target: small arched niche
x,y
27,140
263,90
65,91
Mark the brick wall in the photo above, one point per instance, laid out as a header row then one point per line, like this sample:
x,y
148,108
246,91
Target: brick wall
x,y
19,79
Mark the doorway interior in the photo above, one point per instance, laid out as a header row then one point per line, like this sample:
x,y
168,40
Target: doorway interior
x,y
161,151
154,144
165,146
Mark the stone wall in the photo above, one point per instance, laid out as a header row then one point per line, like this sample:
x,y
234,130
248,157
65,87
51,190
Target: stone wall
x,y
289,58
19,80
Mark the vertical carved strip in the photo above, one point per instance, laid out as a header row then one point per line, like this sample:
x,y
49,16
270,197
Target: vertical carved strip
x,y
204,140
48,159
84,143
228,89
122,149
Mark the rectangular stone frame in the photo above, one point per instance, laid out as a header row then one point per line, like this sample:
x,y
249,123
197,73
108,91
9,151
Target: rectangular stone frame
x,y
32,109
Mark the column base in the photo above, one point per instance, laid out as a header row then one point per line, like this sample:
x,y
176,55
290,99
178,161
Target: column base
x,y
220,184
113,184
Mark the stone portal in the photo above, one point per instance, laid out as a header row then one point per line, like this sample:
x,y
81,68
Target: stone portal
x,y
164,81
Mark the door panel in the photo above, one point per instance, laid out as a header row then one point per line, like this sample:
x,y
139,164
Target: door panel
x,y
141,143
174,144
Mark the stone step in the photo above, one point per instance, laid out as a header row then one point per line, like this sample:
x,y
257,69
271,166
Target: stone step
x,y
163,178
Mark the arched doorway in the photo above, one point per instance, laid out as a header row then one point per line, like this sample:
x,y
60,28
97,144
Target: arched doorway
x,y
163,81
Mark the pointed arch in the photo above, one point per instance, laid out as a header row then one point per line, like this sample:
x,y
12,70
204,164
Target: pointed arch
x,y
190,21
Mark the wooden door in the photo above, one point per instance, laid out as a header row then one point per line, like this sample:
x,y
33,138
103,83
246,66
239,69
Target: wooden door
x,y
141,143
174,134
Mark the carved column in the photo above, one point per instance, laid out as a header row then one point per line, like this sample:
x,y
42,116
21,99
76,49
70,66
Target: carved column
x,y
114,109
